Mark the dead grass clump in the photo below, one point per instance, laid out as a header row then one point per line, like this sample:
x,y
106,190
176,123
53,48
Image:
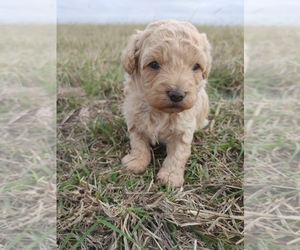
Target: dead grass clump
x,y
146,217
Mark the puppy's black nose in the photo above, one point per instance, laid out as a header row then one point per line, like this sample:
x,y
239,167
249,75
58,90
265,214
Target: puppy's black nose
x,y
176,95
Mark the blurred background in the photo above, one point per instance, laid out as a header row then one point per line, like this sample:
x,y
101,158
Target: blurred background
x,y
217,12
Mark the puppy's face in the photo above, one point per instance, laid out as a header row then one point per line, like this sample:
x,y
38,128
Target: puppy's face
x,y
169,60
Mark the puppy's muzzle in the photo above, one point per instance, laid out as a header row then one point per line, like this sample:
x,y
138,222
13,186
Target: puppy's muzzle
x,y
176,95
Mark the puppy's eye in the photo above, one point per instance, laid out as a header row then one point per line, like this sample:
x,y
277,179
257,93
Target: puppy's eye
x,y
154,65
196,67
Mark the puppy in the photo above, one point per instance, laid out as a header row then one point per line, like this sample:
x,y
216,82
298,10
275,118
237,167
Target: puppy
x,y
166,67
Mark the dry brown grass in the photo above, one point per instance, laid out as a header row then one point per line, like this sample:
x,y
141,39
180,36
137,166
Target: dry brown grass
x,y
272,170
27,134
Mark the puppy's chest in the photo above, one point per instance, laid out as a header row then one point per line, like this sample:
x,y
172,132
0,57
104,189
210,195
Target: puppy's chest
x,y
160,132
160,128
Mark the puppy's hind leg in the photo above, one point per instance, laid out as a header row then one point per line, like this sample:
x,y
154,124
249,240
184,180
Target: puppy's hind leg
x,y
140,156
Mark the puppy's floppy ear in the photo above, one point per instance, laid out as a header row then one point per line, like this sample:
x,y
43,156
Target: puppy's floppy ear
x,y
206,47
130,54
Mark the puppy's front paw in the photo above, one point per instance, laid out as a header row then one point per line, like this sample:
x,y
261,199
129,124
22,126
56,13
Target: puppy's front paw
x,y
173,178
135,165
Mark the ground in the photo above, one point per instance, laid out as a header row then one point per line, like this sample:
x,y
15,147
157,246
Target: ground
x,y
100,206
272,152
27,137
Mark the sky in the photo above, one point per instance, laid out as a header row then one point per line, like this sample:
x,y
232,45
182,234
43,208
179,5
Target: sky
x,y
217,12
214,11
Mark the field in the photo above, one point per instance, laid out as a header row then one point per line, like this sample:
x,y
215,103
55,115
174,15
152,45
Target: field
x,y
101,207
27,135
272,170
221,206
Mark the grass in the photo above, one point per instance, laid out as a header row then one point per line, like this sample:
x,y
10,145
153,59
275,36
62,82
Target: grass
x,y
27,132
272,139
101,207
